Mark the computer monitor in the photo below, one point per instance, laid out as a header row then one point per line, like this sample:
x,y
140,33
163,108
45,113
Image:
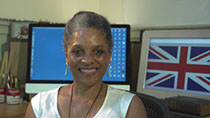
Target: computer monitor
x,y
46,58
175,62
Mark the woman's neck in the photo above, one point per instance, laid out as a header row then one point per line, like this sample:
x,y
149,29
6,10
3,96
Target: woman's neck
x,y
86,91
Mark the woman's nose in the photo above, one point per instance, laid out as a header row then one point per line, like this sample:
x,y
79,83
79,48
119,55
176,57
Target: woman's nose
x,y
88,59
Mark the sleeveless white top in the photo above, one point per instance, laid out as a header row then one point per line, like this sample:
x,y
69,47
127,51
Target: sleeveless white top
x,y
115,105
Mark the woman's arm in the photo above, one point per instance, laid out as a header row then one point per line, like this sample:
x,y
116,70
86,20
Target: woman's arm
x,y
136,109
30,112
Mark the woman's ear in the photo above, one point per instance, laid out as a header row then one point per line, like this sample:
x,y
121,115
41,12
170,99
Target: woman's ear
x,y
66,56
110,55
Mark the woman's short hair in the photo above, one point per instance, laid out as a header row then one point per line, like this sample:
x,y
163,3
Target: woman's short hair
x,y
85,19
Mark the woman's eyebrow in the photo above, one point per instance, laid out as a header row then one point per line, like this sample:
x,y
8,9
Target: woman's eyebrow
x,y
77,46
99,46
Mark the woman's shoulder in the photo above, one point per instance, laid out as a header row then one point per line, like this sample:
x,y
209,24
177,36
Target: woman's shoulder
x,y
117,99
49,93
45,102
120,95
45,96
120,92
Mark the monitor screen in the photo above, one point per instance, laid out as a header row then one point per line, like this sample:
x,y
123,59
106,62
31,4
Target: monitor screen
x,y
175,62
46,62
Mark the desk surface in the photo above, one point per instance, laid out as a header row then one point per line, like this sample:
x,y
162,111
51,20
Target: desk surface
x,y
13,110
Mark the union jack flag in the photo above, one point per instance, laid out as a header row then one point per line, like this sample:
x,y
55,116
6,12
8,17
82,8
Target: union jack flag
x,y
184,68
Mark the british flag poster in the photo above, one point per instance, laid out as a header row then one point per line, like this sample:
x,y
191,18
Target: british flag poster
x,y
179,65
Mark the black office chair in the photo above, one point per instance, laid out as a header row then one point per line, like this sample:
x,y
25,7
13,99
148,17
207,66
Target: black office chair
x,y
155,108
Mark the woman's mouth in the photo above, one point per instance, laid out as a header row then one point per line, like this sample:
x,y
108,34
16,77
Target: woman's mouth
x,y
88,72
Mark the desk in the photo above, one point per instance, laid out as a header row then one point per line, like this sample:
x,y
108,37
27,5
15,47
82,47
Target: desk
x,y
13,110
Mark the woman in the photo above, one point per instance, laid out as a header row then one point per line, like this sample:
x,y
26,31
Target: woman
x,y
88,48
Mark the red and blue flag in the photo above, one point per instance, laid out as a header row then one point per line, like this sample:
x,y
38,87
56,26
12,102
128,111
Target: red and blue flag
x,y
179,67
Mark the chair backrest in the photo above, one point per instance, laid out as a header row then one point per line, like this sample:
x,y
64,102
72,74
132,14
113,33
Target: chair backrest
x,y
155,107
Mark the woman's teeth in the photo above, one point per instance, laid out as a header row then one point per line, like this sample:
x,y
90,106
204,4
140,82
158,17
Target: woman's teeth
x,y
87,70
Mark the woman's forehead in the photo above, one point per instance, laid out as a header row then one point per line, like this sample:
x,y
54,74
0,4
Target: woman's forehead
x,y
88,36
87,31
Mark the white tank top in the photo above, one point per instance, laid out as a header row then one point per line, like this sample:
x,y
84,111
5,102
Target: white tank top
x,y
115,105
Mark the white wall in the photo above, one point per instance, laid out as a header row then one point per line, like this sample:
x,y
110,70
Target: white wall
x,y
70,7
112,10
50,10
31,9
59,10
142,13
149,13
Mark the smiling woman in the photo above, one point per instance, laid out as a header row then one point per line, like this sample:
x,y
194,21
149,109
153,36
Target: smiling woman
x,y
88,49
88,56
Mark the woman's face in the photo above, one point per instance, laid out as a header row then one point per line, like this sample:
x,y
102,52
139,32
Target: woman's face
x,y
88,56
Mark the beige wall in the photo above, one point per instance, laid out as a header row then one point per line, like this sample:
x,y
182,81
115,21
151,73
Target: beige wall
x,y
140,13
59,10
31,9
112,10
70,7
158,13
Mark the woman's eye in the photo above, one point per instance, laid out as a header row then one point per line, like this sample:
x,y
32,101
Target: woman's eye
x,y
76,52
99,52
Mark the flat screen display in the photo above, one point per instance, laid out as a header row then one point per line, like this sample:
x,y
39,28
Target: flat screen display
x,y
179,65
47,59
175,62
